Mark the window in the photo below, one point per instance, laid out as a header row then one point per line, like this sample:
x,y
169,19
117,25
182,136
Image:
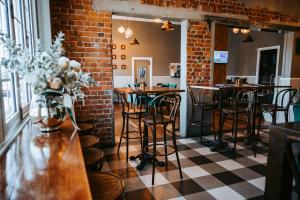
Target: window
x,y
16,21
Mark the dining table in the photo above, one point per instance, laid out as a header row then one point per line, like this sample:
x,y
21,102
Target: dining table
x,y
222,89
143,156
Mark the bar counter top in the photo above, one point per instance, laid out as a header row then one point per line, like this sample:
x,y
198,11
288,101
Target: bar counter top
x,y
44,166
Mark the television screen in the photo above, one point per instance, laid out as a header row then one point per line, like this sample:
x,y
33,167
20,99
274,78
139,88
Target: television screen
x,y
220,56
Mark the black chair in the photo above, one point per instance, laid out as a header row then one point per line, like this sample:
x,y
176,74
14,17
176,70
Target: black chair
x,y
293,157
200,104
280,105
130,111
161,115
242,105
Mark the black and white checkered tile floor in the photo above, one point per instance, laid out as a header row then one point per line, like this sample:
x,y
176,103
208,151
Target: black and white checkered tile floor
x,y
206,174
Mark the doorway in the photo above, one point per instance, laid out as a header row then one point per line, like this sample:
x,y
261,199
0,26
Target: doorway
x,y
267,65
142,70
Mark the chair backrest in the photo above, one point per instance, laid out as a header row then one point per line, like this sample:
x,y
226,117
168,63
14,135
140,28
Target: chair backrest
x,y
284,98
203,96
245,98
126,105
164,108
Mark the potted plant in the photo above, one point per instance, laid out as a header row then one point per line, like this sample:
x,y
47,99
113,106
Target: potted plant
x,y
56,80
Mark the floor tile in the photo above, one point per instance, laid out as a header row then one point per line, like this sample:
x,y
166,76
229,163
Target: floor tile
x,y
187,141
246,173
208,182
200,195
204,151
173,156
142,194
125,172
118,164
182,147
216,157
200,160
259,158
195,171
246,190
213,168
186,187
261,169
230,164
225,193
189,153
228,178
184,163
259,183
158,180
163,192
173,176
171,166
246,161
134,183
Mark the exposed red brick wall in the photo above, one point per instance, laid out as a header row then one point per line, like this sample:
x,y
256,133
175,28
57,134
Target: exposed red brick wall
x,y
198,53
88,40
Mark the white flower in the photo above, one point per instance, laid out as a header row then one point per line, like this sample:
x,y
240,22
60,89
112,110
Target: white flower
x,y
56,83
63,61
75,65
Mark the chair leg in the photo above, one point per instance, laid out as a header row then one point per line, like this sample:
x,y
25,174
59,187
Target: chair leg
x,y
213,124
166,148
259,124
122,132
140,130
286,115
201,125
235,134
223,118
127,139
154,154
175,147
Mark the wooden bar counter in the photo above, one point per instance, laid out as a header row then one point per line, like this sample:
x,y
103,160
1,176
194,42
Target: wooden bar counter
x,y
44,166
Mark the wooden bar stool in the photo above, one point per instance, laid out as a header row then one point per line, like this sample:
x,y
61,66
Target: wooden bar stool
x,y
87,141
84,119
106,186
93,158
85,128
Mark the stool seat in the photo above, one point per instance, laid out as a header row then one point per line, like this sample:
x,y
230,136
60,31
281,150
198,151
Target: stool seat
x,y
106,186
85,128
84,119
88,141
93,158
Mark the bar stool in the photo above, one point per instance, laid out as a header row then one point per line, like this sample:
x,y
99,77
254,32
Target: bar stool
x,y
243,104
93,158
130,111
106,186
204,107
87,141
163,116
85,128
279,106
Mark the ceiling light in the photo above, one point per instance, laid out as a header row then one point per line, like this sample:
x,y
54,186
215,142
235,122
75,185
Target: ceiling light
x,y
121,29
167,26
135,42
128,33
235,30
245,31
157,20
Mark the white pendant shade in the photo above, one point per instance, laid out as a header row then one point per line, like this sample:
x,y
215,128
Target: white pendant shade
x,y
128,33
235,30
245,31
121,29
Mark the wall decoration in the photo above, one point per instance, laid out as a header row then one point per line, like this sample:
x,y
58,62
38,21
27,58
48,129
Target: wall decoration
x,y
123,46
174,69
142,72
113,46
114,56
123,57
297,50
114,66
123,66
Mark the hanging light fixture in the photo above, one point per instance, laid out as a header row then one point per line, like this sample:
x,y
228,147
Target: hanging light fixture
x,y
128,33
167,26
235,30
245,31
121,29
135,42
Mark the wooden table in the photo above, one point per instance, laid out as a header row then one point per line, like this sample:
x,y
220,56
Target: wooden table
x,y
279,176
144,157
44,166
223,87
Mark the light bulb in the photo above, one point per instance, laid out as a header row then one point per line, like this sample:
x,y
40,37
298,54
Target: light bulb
x,y
235,30
121,29
128,32
245,31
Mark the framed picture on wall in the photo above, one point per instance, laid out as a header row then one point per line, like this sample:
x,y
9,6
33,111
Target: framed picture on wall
x,y
113,46
114,56
123,57
114,66
142,72
123,46
123,66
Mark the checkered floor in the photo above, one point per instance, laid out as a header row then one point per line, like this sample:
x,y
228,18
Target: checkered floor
x,y
206,175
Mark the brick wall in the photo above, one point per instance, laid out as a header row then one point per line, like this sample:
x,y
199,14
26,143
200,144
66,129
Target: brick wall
x,y
88,40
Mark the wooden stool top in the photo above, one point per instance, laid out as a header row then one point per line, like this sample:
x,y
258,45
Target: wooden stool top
x,y
88,141
106,186
84,119
92,156
85,128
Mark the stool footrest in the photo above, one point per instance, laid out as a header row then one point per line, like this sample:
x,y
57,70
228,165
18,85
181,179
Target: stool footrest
x,y
158,144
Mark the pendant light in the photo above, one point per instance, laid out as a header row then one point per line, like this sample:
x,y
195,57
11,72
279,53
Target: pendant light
x,y
235,30
121,29
167,26
245,31
135,42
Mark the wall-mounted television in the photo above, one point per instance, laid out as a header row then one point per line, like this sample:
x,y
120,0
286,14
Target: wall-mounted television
x,y
220,56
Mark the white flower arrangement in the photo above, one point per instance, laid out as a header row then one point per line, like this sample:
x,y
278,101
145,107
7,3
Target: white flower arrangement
x,y
44,70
